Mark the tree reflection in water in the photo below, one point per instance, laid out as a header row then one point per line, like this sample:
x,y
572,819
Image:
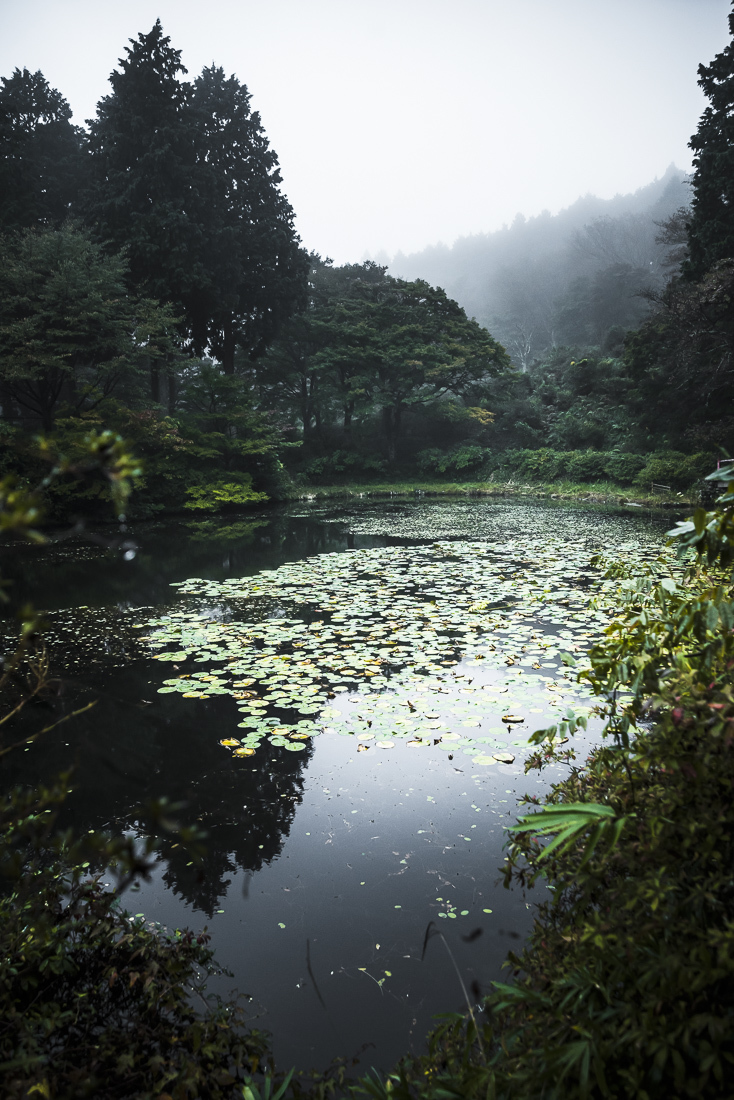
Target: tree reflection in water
x,y
247,811
134,746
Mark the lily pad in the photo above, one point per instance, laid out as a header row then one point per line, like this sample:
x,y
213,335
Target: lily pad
x,y
504,757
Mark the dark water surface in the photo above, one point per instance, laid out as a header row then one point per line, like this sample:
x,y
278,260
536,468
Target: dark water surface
x,y
323,867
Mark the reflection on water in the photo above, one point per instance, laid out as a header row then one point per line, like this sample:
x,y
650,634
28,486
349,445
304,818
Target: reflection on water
x,y
323,867
78,571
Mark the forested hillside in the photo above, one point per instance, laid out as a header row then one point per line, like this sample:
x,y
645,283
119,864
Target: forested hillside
x,y
567,279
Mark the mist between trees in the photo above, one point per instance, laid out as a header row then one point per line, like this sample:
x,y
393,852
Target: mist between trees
x,y
152,282
575,279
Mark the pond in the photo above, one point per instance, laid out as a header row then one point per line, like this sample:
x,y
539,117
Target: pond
x,y
341,695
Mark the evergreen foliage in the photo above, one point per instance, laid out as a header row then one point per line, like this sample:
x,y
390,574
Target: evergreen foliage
x,y
142,156
41,159
370,352
69,330
681,363
711,226
182,177
255,270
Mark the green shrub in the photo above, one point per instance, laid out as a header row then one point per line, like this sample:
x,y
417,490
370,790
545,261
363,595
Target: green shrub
x,y
623,468
463,457
674,468
223,494
585,465
94,1002
344,464
540,465
547,465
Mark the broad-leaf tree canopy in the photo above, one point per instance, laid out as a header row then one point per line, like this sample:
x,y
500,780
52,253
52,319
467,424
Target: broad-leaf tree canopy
x,y
371,345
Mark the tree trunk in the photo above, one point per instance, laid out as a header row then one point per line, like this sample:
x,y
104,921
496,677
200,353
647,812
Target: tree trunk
x,y
392,421
155,383
305,410
8,407
172,390
387,423
228,346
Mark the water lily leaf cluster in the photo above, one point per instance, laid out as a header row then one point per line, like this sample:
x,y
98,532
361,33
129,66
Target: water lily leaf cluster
x,y
315,645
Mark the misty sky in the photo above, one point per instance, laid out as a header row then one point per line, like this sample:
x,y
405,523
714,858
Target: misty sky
x,y
401,123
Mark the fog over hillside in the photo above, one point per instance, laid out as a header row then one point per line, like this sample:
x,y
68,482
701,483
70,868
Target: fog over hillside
x,y
572,278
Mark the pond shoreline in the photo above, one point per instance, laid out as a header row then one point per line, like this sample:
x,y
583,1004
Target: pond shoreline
x,y
595,493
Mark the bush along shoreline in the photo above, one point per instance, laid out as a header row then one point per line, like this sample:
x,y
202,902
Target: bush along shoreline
x,y
206,475
626,985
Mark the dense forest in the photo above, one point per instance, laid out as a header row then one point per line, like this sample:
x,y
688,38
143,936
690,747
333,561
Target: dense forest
x,y
152,282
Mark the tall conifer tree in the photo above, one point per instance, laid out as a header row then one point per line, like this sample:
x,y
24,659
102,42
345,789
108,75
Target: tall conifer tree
x,y
142,158
711,229
256,272
184,178
40,153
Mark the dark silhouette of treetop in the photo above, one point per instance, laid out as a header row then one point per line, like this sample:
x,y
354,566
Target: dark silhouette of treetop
x,y
711,229
40,153
142,159
255,270
185,180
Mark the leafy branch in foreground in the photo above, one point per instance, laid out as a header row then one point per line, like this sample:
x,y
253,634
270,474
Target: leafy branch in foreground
x,y
567,822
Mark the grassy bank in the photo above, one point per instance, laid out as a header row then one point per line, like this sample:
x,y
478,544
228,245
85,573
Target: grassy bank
x,y
598,492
